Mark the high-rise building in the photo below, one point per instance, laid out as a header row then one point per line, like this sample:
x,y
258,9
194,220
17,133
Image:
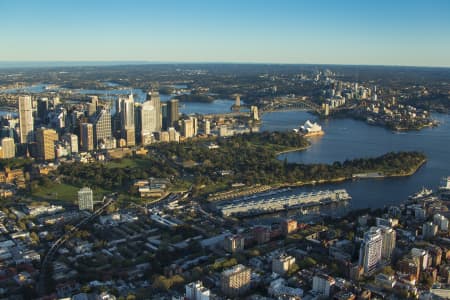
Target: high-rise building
x,y
26,120
127,120
8,148
188,128
235,282
157,105
389,237
174,136
87,136
102,127
72,141
421,256
130,137
172,111
127,112
234,243
429,230
85,199
441,221
148,120
282,264
371,248
45,140
196,291
207,128
42,110
92,106
254,112
237,101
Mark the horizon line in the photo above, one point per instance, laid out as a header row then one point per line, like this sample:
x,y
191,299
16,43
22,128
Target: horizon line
x,y
104,63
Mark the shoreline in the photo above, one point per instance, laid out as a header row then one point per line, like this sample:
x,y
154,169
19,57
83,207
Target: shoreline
x,y
292,150
342,179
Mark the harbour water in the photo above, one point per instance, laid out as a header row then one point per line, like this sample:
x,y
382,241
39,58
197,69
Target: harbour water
x,y
348,139
343,139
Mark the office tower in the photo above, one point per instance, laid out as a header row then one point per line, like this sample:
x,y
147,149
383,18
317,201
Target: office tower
x,y
370,252
207,128
282,264
85,199
26,119
172,112
87,136
8,148
72,141
195,125
148,118
174,136
127,120
92,106
188,128
254,112
388,235
429,230
42,110
157,105
441,221
237,101
164,116
130,137
102,127
55,101
421,256
45,140
196,291
234,243
127,113
235,282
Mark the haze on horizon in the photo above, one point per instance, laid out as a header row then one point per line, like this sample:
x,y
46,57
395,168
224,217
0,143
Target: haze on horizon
x,y
409,33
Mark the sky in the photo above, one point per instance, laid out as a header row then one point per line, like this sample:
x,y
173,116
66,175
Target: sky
x,y
361,32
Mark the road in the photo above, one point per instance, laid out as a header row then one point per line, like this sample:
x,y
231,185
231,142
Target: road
x,y
41,288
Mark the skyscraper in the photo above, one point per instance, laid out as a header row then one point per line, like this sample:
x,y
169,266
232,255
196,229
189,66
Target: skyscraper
x,y
127,120
26,119
87,136
8,148
85,199
148,120
157,104
207,128
102,127
371,248
72,141
389,237
188,128
173,114
45,139
42,110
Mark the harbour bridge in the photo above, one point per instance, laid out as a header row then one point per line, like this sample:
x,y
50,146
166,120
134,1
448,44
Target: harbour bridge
x,y
291,106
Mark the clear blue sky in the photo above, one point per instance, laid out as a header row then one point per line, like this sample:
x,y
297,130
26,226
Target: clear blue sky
x,y
386,32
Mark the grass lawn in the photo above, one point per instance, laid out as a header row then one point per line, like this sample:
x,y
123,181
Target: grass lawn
x,y
129,163
64,192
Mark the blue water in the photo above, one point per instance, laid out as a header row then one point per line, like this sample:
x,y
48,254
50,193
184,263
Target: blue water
x,y
347,139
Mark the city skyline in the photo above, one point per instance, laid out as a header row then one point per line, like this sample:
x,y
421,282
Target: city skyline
x,y
406,33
